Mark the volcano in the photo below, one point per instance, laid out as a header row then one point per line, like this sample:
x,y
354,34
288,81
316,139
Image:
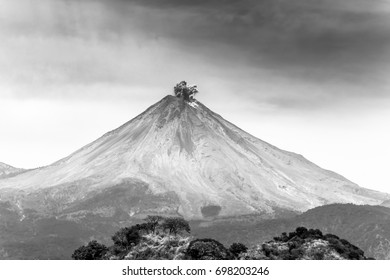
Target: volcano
x,y
179,158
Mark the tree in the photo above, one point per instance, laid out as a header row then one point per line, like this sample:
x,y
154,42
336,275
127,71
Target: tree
x,y
315,233
153,222
92,251
207,249
175,225
126,237
237,248
143,228
185,91
302,232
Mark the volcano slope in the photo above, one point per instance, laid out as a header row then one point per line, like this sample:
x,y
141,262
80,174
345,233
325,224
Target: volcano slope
x,y
9,171
176,158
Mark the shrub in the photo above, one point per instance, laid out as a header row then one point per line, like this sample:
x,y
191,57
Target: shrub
x,y
354,255
330,236
92,251
238,248
297,253
207,249
127,237
153,222
315,233
176,225
155,247
318,255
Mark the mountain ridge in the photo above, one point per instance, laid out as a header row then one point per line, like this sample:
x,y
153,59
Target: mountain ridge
x,y
8,170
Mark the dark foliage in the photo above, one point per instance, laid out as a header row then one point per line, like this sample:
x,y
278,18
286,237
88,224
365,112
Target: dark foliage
x,y
345,249
127,237
175,225
237,248
143,228
300,233
207,249
294,240
153,222
302,243
92,251
370,223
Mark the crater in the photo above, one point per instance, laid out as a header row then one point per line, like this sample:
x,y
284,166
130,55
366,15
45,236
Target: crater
x,y
210,210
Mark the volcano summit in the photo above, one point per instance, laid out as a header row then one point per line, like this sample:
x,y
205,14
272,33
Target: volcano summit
x,y
178,158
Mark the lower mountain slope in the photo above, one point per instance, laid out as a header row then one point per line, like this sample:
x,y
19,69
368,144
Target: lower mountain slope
x,y
386,203
8,170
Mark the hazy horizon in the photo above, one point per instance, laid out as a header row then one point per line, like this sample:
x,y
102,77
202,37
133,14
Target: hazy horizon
x,y
311,77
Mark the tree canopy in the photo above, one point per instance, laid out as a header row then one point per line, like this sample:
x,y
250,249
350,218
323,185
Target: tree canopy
x,y
208,249
153,222
175,225
127,237
92,251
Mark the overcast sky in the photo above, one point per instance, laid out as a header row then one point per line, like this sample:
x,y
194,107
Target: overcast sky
x,y
309,76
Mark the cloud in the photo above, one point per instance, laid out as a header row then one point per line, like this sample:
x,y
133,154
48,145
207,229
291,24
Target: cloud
x,y
322,51
328,42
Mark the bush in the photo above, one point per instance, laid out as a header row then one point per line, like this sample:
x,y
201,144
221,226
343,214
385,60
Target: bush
x,y
302,232
153,222
318,255
315,233
156,247
127,237
238,248
330,236
92,251
297,253
354,255
176,225
207,249
344,248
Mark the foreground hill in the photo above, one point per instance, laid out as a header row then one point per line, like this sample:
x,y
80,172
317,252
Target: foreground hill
x,y
162,247
160,238
366,226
